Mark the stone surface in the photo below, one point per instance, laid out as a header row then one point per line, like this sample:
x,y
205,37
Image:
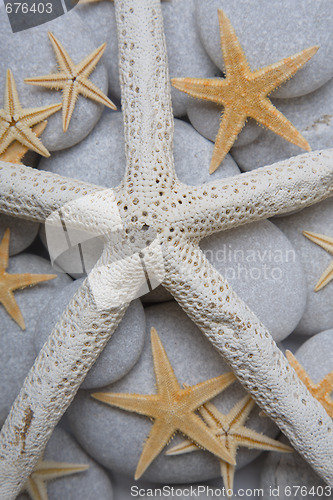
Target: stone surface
x,y
22,232
88,484
270,31
318,314
121,352
29,53
193,360
315,355
262,267
17,352
312,115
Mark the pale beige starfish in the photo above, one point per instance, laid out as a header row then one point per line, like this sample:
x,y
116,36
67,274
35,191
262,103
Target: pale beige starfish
x,y
16,122
73,80
321,391
15,152
172,408
243,93
48,470
11,282
231,431
325,242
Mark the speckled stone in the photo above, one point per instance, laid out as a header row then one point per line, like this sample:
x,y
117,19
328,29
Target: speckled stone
x,y
29,53
22,232
121,352
312,115
193,359
318,314
17,352
262,267
88,484
270,31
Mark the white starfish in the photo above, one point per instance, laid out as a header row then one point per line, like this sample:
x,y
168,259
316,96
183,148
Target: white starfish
x,y
152,199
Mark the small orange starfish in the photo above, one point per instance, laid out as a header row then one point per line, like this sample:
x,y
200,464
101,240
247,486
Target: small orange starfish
x,y
73,80
230,430
16,150
243,93
320,391
16,122
11,282
172,408
47,470
326,243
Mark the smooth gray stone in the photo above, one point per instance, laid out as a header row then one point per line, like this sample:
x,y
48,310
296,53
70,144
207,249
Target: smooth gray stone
x,y
282,473
88,484
120,353
206,116
29,53
293,342
194,360
262,267
312,115
271,31
315,355
22,232
17,352
318,314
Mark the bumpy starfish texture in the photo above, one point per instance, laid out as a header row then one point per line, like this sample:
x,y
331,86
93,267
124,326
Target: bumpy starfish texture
x,y
152,199
326,243
73,80
15,152
243,93
231,431
16,122
11,282
172,408
321,391
48,470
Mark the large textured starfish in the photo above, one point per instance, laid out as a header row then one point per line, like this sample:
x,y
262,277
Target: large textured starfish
x,y
243,93
11,282
172,408
151,199
326,243
321,391
47,470
73,80
16,122
231,431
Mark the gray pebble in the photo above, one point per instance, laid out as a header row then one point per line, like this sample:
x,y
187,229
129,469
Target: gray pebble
x,y
262,267
29,53
312,115
22,232
194,359
271,31
88,484
318,314
121,352
315,355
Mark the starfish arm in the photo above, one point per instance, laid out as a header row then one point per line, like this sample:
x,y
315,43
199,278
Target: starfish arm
x,y
25,135
208,389
144,404
51,384
4,250
240,412
91,91
145,94
325,386
166,381
19,281
87,65
273,76
252,354
228,475
233,55
325,242
18,195
48,469
32,116
9,303
230,126
6,138
255,440
69,98
53,81
65,62
185,446
274,120
325,278
288,185
301,373
12,102
208,89
36,489
16,151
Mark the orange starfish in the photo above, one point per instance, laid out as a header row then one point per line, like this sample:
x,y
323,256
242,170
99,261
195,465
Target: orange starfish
x,y
11,282
243,93
16,150
172,408
320,391
326,243
73,80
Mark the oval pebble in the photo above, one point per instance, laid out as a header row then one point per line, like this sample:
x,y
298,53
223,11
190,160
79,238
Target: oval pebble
x,y
22,232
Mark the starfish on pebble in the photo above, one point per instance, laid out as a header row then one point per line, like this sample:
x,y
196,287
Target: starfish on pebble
x,y
151,199
231,431
73,80
16,122
325,242
172,408
243,93
15,152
